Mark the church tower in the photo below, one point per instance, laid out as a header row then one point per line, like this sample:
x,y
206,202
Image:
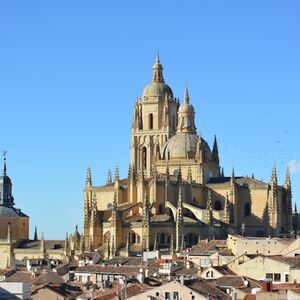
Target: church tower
x,y
154,122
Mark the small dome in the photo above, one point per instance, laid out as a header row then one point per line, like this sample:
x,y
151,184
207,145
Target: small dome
x,y
184,146
5,180
154,89
186,108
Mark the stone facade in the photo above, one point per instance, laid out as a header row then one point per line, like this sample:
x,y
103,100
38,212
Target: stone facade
x,y
175,190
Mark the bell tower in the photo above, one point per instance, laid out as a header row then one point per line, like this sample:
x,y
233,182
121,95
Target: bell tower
x,y
154,122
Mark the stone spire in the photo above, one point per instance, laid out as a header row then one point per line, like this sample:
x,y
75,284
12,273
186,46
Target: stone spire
x,y
186,95
4,163
88,181
179,215
179,222
273,204
215,152
146,209
115,201
109,177
167,170
35,238
157,70
179,175
66,248
209,212
232,175
288,178
129,171
42,243
146,223
117,174
274,176
94,211
226,213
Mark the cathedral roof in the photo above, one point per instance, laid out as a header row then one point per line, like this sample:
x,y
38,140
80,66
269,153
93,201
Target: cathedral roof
x,y
6,211
242,181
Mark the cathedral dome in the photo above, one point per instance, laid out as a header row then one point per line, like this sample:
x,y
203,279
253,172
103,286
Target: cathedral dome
x,y
154,89
184,146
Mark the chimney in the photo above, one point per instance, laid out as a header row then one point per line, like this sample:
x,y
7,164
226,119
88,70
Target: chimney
x,y
267,285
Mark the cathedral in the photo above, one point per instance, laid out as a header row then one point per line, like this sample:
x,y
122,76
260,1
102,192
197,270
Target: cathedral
x,y
176,192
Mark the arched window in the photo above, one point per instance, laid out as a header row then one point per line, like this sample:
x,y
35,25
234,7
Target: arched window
x,y
160,209
173,122
138,239
247,210
168,239
217,205
133,238
144,157
150,119
157,151
162,238
191,238
194,201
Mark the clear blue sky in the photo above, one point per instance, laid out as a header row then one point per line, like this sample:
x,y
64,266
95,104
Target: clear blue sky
x,y
70,71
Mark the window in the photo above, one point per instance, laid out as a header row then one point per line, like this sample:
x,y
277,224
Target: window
x,y
167,296
150,121
80,278
168,240
175,296
209,274
203,262
157,294
24,224
269,276
133,238
247,209
193,297
144,157
174,122
160,209
286,277
217,205
277,277
162,238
